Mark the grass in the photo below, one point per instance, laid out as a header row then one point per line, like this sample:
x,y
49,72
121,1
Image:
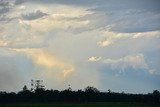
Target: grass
x,y
82,105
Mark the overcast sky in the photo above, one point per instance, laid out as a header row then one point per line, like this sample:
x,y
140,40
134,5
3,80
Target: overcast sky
x,y
108,44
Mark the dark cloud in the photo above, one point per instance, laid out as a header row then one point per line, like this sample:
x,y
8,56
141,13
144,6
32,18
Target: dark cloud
x,y
5,8
4,3
70,2
4,18
126,17
35,15
123,15
18,2
135,22
147,5
130,16
106,4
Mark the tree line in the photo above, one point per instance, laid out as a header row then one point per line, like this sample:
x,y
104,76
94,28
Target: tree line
x,y
89,94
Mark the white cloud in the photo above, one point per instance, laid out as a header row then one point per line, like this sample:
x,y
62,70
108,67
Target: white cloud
x,y
55,17
3,43
94,59
22,7
109,38
146,34
131,61
104,43
153,72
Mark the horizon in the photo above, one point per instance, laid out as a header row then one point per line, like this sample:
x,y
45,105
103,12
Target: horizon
x,y
107,44
40,86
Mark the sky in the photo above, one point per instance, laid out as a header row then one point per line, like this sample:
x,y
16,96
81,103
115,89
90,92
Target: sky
x,y
108,44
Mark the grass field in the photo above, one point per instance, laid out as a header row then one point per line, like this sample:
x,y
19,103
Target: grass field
x,y
83,105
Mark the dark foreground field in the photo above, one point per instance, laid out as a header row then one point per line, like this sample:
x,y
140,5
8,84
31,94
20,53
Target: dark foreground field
x,y
83,105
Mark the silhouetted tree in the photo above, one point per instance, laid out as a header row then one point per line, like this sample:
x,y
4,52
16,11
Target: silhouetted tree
x,y
25,88
91,89
156,95
90,94
109,90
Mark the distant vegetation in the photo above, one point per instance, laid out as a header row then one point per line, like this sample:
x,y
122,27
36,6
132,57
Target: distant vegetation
x,y
99,104
89,94
38,94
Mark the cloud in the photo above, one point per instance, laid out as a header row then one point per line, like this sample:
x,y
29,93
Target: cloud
x,y
123,16
109,38
104,43
35,15
63,19
147,34
5,7
21,36
153,71
131,61
126,16
54,70
94,59
18,2
3,43
69,2
49,61
110,4
146,5
139,21
4,10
